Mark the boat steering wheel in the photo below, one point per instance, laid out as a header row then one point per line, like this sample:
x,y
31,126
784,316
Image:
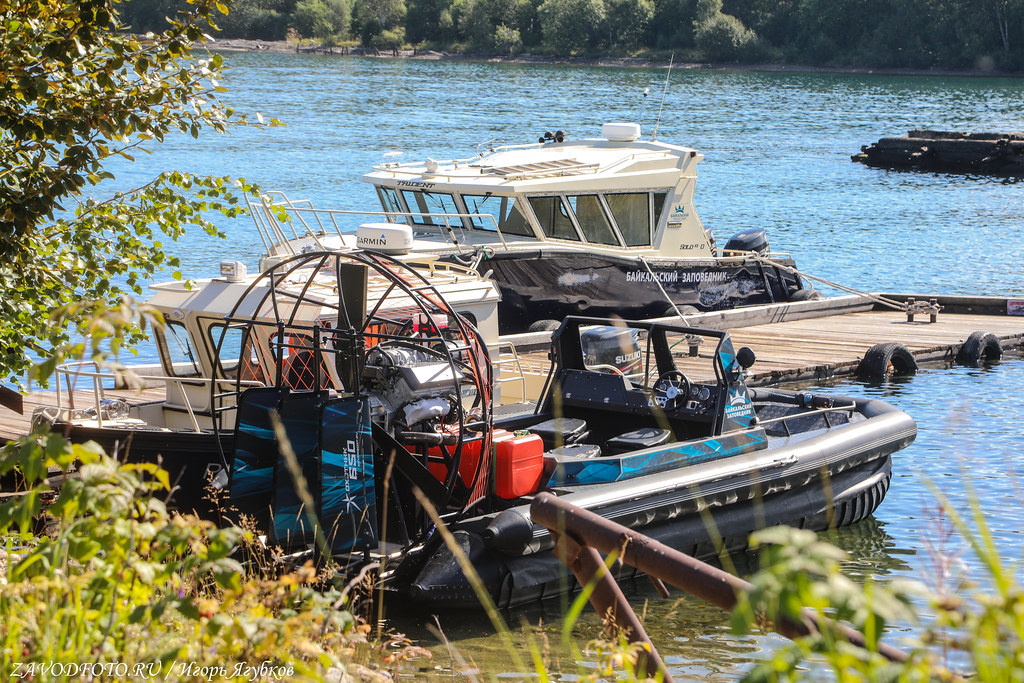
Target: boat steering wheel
x,y
671,390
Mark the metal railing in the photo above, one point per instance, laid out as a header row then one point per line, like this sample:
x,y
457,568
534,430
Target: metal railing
x,y
104,407
276,216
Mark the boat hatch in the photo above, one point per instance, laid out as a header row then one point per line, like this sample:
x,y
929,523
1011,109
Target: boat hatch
x,y
540,169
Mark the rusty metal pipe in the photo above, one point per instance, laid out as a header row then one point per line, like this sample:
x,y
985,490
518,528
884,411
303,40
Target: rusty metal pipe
x,y
608,600
673,567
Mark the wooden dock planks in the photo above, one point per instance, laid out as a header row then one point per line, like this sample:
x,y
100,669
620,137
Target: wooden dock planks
x,y
817,348
13,425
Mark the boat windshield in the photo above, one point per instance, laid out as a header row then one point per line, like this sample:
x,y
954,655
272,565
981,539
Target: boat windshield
x,y
632,213
389,200
176,350
507,212
592,219
554,218
422,202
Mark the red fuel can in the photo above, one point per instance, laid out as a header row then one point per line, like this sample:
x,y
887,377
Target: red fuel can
x,y
519,466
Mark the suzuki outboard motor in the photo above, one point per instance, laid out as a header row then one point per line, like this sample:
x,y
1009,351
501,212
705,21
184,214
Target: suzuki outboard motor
x,y
617,347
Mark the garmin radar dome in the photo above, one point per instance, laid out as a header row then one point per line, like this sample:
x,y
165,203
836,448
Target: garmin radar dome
x,y
387,238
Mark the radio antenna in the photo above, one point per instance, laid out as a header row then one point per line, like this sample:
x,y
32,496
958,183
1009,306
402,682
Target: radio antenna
x,y
643,102
671,59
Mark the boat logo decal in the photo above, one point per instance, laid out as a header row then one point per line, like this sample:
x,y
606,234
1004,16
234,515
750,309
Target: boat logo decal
x,y
570,279
627,358
680,211
415,183
372,241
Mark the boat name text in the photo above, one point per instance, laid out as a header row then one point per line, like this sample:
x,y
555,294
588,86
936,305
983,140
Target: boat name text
x,y
738,410
415,183
675,276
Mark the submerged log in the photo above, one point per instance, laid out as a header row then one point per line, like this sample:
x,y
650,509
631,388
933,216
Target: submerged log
x,y
932,150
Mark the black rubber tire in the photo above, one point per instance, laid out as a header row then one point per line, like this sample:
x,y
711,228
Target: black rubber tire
x,y
685,310
980,347
806,294
544,326
887,358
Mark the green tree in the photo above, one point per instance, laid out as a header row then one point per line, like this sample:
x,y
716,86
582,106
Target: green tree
x,y
571,26
673,23
324,20
720,36
507,40
377,16
257,19
430,20
76,90
628,21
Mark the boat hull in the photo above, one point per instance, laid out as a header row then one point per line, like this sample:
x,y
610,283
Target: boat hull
x,y
832,479
192,459
552,284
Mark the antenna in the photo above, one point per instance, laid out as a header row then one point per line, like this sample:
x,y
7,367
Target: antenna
x,y
667,74
643,101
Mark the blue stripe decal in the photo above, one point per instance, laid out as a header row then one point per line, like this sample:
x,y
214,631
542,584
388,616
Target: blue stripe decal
x,y
630,465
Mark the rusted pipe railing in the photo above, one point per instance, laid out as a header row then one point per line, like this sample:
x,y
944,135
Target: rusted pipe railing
x,y
608,600
591,531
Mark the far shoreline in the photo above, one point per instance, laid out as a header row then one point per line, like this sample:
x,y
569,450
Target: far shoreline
x,y
282,46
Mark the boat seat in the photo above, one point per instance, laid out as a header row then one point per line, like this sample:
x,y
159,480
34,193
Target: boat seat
x,y
560,431
577,450
645,437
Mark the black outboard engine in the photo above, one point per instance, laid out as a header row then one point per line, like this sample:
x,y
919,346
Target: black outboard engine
x,y
753,239
608,347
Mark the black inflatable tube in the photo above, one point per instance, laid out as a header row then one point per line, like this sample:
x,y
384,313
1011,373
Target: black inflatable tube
x,y
655,498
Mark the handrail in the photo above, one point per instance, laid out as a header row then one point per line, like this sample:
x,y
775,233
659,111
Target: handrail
x,y
74,370
325,221
513,358
827,409
402,166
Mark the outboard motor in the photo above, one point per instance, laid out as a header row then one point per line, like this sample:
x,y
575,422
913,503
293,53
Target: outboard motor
x,y
753,239
617,347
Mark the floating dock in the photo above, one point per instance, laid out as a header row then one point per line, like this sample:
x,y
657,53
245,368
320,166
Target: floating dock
x,y
799,341
934,150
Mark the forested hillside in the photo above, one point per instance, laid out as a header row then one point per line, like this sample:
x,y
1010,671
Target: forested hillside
x,y
921,34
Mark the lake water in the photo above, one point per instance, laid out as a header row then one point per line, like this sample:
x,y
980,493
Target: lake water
x,y
777,149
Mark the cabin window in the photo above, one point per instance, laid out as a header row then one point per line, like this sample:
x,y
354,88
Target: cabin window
x,y
592,219
389,200
507,214
177,352
659,206
237,346
632,214
554,218
431,203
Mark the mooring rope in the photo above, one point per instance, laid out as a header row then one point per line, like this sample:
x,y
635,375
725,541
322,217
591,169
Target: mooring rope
x,y
664,293
891,303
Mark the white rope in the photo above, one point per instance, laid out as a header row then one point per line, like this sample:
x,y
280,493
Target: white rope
x,y
664,293
891,303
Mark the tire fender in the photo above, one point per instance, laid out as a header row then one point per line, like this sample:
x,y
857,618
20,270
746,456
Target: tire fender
x,y
886,358
544,326
980,347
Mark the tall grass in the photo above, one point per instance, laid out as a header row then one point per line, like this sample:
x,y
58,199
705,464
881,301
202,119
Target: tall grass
x,y
102,574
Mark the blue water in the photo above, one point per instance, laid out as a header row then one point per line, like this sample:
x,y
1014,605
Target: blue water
x,y
777,150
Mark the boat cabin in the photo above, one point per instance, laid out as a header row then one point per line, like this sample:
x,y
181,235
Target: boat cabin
x,y
204,355
615,192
